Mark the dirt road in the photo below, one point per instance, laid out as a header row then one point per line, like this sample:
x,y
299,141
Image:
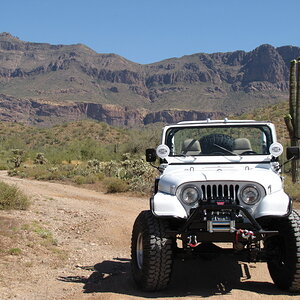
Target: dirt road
x,y
90,256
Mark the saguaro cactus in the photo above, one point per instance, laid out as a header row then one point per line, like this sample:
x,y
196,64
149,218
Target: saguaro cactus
x,y
293,119
297,117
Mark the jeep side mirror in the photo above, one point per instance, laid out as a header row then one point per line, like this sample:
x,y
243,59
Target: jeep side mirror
x,y
150,155
292,153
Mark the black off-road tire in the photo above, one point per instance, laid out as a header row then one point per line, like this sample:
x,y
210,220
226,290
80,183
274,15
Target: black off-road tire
x,y
208,143
151,252
283,252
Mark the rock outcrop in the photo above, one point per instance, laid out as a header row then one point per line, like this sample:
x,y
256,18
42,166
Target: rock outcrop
x,y
45,114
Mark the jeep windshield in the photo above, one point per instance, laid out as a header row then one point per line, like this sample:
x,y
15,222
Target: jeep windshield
x,y
219,140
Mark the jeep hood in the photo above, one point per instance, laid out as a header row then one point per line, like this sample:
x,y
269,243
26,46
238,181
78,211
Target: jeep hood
x,y
262,174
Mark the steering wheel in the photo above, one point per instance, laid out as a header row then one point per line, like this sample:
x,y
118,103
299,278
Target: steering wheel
x,y
248,152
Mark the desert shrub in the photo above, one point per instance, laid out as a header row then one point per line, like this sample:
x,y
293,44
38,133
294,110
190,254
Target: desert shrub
x,y
12,198
40,159
3,166
91,179
38,172
135,171
91,150
13,172
54,174
17,157
142,138
139,174
79,179
100,176
115,185
56,155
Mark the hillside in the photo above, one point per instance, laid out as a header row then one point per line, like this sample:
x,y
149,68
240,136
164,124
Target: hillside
x,y
88,139
81,140
46,84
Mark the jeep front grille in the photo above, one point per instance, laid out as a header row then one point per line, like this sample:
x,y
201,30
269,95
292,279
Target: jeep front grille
x,y
219,192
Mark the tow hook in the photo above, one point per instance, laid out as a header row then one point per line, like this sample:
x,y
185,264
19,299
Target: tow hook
x,y
246,234
192,241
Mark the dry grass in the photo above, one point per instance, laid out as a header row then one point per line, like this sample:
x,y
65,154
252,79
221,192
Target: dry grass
x,y
12,198
115,185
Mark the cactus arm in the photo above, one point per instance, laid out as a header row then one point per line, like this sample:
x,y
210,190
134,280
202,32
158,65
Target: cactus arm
x,y
289,126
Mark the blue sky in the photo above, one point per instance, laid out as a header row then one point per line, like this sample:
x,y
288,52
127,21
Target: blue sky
x,y
153,30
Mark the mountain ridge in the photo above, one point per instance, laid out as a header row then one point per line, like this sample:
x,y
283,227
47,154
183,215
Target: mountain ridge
x,y
227,82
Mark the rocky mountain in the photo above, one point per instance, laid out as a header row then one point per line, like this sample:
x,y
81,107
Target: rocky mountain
x,y
33,113
44,84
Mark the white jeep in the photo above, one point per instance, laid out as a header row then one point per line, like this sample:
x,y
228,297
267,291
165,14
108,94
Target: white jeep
x,y
219,183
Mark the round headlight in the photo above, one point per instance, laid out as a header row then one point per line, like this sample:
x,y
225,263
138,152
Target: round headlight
x,y
250,194
190,195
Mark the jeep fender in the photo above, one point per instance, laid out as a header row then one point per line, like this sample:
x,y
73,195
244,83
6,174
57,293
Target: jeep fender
x,y
277,204
166,205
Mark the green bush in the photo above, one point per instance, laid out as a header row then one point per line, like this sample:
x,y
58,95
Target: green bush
x,y
40,159
12,198
79,179
38,172
3,166
135,171
89,179
115,185
100,176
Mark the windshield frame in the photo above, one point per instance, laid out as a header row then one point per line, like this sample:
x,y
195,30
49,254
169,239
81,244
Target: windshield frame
x,y
265,127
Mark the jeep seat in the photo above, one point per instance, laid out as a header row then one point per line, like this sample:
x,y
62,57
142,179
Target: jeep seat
x,y
191,147
241,145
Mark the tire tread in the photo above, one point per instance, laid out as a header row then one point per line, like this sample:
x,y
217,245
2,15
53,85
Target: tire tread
x,y
158,259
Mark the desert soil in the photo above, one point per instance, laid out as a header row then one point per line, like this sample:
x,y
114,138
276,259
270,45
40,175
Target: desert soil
x,y
90,258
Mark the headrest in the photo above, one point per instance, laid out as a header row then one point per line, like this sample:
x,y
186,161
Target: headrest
x,y
191,145
242,144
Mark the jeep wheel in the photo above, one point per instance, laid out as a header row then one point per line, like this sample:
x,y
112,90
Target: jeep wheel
x,y
151,252
283,252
